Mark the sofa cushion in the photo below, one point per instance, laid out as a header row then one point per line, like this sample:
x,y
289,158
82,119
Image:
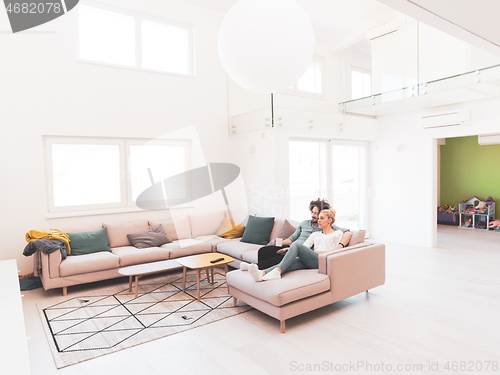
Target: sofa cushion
x,y
130,255
251,256
285,231
358,236
190,246
206,223
278,223
212,239
236,248
176,228
88,263
117,232
291,287
88,242
153,237
258,230
229,229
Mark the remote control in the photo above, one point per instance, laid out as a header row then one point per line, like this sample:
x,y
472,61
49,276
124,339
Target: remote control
x,y
216,260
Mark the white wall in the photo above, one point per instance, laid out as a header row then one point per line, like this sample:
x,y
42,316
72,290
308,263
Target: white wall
x,y
45,91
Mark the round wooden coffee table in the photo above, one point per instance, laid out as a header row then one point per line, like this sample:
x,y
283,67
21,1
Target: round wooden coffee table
x,y
202,262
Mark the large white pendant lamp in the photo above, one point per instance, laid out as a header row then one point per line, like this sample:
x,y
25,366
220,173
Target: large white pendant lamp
x,y
266,45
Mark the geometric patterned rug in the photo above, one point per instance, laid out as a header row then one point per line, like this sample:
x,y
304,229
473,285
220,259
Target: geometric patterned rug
x,y
85,327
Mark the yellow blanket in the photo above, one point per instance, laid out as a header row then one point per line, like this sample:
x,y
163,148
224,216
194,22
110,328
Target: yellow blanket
x,y
56,234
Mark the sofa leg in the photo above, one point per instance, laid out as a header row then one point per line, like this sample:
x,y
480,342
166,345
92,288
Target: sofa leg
x,y
282,326
235,300
65,290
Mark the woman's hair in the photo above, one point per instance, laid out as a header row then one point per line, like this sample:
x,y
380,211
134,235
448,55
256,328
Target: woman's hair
x,y
322,204
330,212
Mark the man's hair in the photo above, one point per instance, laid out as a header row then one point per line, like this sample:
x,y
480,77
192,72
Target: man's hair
x,y
322,204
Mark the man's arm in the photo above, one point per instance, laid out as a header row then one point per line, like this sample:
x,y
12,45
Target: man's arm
x,y
289,240
294,236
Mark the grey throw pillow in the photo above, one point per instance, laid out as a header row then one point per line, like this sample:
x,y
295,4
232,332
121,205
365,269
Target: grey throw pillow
x,y
258,230
358,236
285,231
154,237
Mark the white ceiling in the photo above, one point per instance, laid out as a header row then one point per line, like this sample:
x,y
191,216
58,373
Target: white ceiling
x,y
343,23
338,23
474,21
479,17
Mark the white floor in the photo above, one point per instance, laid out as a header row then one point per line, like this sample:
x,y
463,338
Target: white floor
x,y
438,306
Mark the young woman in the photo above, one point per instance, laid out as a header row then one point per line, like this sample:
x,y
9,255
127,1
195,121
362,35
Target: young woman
x,y
317,243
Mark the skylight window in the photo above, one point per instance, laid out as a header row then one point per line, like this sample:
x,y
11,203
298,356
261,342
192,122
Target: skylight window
x,y
119,37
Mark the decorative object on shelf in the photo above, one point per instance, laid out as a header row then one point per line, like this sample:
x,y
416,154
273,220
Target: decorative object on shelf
x,y
266,45
447,215
476,214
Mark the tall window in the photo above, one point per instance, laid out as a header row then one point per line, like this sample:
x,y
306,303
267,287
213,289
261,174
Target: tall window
x,y
361,83
312,80
119,37
107,174
333,170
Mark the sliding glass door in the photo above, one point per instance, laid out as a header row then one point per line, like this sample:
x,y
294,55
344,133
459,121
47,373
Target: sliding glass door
x,y
330,169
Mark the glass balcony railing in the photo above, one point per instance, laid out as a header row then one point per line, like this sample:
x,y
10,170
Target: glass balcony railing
x,y
479,84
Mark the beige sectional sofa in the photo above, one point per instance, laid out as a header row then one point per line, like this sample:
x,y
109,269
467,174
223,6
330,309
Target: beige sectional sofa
x,y
342,273
191,234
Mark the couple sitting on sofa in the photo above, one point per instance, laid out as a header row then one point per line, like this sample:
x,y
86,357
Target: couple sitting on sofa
x,y
319,233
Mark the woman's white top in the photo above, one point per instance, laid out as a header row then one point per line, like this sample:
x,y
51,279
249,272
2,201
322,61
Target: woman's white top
x,y
323,242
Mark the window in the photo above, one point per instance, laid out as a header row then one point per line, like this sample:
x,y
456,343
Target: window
x,y
361,83
95,174
333,170
312,80
118,37
107,37
308,175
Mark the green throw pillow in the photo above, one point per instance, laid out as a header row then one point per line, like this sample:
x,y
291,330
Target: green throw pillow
x,y
89,242
258,230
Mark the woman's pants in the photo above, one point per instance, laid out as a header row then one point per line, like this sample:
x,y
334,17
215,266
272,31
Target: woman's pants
x,y
297,257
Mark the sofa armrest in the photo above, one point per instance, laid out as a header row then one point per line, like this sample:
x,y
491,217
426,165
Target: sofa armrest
x,y
51,263
354,269
322,258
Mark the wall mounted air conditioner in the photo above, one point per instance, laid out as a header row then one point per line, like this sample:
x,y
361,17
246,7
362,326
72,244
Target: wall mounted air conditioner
x,y
448,119
385,29
488,139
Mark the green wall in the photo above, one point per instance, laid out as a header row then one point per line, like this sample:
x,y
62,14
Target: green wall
x,y
468,169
